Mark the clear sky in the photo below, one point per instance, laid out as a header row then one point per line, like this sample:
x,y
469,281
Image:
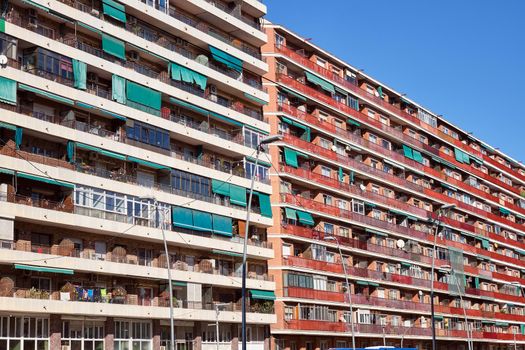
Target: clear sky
x,y
464,59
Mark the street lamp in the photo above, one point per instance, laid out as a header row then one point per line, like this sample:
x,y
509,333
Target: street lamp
x,y
334,238
217,311
168,268
449,270
264,141
522,289
436,224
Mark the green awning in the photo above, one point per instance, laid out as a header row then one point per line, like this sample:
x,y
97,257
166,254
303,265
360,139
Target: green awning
x,y
226,59
90,28
306,129
18,136
373,284
259,162
46,94
380,91
114,115
182,217
114,9
294,94
220,187
7,171
204,112
255,99
290,157
265,204
222,225
118,89
113,46
407,151
45,180
341,175
353,122
7,91
7,126
202,221
396,212
42,7
370,205
417,156
238,195
488,322
477,160
452,188
438,317
502,324
143,95
520,251
184,74
43,269
148,164
179,284
70,151
262,294
377,233
323,84
485,243
227,253
405,264
305,218
290,213
361,283
504,211
2,25
101,151
476,282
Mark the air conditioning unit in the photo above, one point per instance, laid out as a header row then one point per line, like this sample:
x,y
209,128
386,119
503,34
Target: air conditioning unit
x,y
92,77
134,56
213,89
94,12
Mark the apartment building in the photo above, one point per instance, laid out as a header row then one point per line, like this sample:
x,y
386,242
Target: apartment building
x,y
366,180
122,122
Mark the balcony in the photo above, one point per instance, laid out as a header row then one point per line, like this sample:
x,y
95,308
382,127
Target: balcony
x,y
234,13
304,61
391,131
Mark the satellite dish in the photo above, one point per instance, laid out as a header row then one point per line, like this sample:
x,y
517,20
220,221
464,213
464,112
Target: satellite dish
x,y
334,148
362,187
3,60
400,244
420,293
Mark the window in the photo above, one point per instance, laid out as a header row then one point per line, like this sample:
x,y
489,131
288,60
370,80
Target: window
x,y
132,335
327,199
320,62
344,232
148,134
325,171
251,138
22,332
386,144
288,313
371,113
384,120
358,206
187,182
325,143
261,172
79,334
328,228
279,40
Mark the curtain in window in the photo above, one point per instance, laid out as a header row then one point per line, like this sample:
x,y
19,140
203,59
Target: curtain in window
x,y
79,74
118,89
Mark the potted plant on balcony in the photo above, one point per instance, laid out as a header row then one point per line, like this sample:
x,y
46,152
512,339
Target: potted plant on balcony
x,y
118,295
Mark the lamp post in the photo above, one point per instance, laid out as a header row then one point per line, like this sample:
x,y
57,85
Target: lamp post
x,y
264,141
449,270
436,224
217,311
168,268
334,238
522,290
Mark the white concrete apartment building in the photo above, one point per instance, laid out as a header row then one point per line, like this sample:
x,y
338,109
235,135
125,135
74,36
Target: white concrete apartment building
x,y
122,121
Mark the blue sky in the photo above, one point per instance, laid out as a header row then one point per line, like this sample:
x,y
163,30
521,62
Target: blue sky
x,y
463,59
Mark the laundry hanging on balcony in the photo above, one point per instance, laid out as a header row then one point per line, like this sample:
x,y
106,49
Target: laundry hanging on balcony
x,y
79,74
226,59
114,9
181,73
113,46
7,91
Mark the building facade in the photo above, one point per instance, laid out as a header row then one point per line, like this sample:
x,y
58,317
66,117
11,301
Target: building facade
x,y
363,168
122,122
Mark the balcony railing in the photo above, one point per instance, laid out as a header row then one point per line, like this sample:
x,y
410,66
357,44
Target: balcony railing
x,y
235,13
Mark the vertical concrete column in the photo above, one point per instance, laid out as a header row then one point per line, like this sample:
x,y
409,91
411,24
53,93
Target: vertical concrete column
x,y
110,333
197,340
55,332
156,335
